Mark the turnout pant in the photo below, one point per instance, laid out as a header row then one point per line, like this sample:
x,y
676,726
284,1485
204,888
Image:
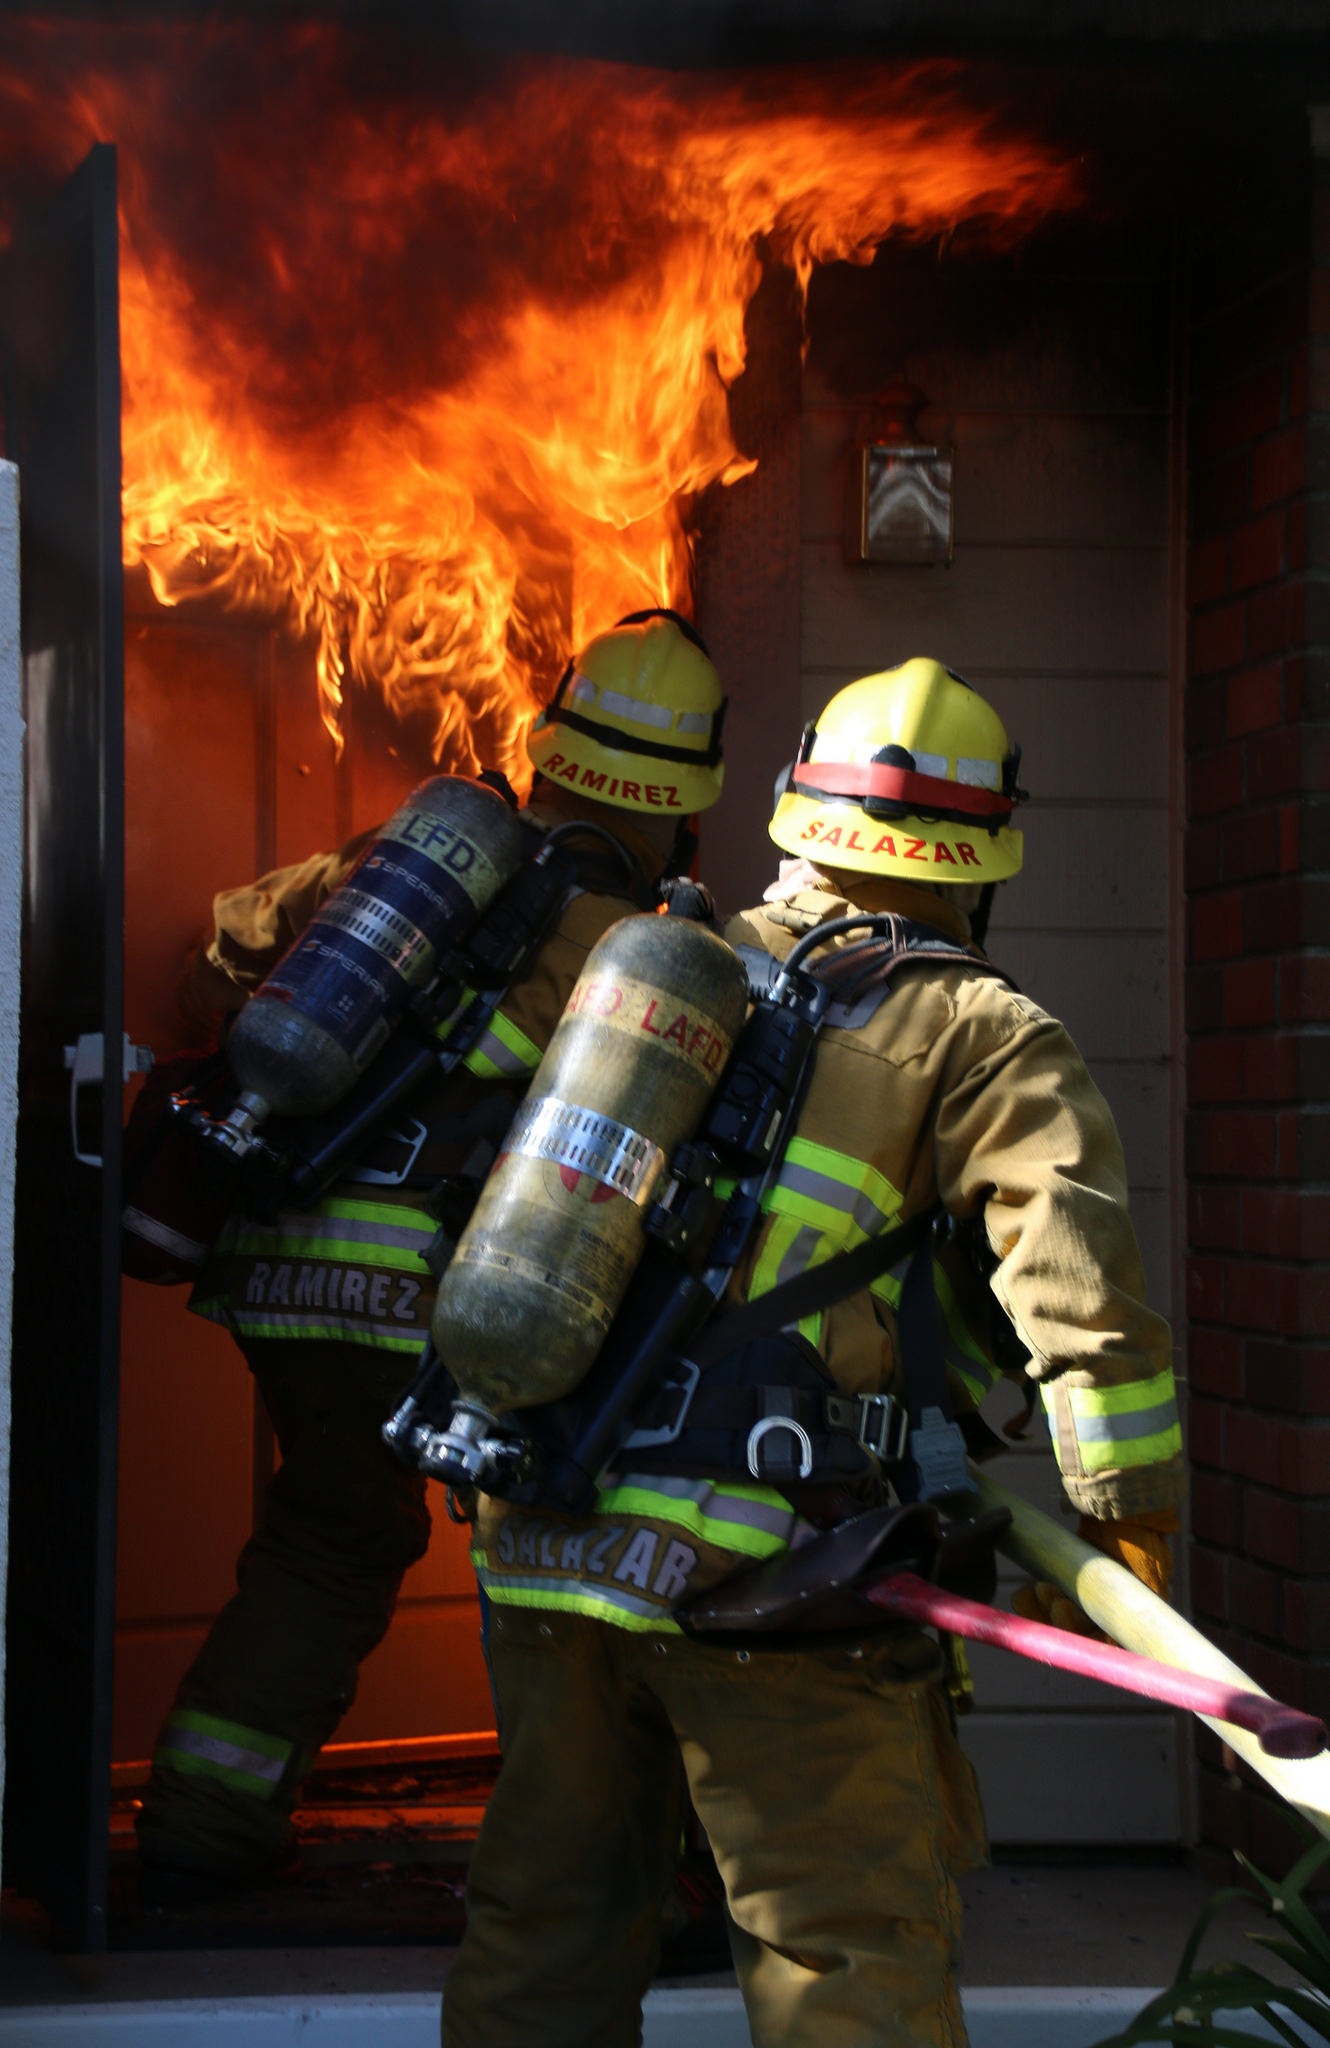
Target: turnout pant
x,y
316,1585
835,1797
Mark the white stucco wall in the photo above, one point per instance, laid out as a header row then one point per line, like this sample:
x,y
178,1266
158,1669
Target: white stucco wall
x,y
11,859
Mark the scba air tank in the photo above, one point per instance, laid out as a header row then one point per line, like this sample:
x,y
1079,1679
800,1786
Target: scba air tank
x,y
311,1029
543,1263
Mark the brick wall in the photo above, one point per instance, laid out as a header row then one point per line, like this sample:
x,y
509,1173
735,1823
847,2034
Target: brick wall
x,y
1258,969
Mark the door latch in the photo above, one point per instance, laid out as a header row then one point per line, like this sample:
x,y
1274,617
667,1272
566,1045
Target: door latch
x,y
86,1063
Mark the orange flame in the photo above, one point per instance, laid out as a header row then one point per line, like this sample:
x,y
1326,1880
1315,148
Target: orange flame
x,y
449,402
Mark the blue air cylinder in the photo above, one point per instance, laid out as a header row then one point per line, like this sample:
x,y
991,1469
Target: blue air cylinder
x,y
310,1030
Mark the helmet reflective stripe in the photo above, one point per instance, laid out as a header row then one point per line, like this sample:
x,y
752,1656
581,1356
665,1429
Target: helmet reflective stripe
x,y
1114,1427
246,1759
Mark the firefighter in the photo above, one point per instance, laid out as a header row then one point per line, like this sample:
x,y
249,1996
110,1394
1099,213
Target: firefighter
x,y
631,743
829,1780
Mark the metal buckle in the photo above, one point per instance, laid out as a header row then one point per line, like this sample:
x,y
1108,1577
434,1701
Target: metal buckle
x,y
768,1422
884,1426
667,1433
413,1138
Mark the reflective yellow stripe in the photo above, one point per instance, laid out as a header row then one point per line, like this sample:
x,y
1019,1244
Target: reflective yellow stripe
x,y
964,1355
760,1523
1117,1427
581,1598
503,1051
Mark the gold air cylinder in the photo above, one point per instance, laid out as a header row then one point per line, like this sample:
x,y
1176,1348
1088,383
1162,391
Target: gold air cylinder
x,y
544,1261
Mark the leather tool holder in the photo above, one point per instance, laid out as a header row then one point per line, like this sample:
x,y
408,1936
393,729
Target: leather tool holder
x,y
814,1591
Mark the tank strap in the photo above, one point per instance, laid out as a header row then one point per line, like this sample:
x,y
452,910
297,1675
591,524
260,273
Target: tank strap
x,y
859,978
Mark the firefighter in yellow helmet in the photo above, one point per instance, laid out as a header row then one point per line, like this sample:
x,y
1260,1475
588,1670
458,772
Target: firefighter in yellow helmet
x,y
331,1308
828,1778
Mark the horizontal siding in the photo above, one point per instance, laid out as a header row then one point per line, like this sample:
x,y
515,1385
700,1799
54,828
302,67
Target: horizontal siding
x,y
1077,1778
1010,608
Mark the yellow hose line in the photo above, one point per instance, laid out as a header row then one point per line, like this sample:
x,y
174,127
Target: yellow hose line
x,y
1141,1621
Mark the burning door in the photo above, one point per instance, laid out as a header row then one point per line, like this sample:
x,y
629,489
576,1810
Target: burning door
x,y
62,426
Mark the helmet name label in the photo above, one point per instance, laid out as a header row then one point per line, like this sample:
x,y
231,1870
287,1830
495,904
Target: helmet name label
x,y
960,854
638,1008
656,796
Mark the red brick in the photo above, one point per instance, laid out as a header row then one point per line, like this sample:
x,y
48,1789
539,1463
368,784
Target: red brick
x,y
1214,1509
1279,467
1214,1217
1251,847
1275,618
1219,639
1256,1597
1275,1839
1206,712
1257,552
1216,782
1205,1289
1251,1445
1304,1458
1203,998
1205,1433
1295,669
1290,838
1253,1300
1239,413
1295,536
1320,222
1249,993
1207,1571
1274,764
1253,700
1232,1146
1306,1613
1270,1069
1216,1363
1291,1377
1203,864
1305,1302
1299,383
1277,916
1225,1817
1304,993
1207,570
1286,1223
1216,926
1271,1527
1220,493
1214,1070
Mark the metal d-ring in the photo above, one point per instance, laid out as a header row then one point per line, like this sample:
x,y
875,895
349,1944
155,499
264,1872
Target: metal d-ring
x,y
759,1430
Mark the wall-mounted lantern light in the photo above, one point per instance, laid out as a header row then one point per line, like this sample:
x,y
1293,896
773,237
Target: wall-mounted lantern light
x,y
898,505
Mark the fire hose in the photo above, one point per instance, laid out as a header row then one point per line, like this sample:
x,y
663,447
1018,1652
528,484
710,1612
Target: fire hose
x,y
1140,1621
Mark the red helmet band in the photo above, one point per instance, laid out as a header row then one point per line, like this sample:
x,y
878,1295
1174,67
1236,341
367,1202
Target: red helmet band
x,y
901,785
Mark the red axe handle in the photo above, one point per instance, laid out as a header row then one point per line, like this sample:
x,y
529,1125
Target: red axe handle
x,y
1280,1730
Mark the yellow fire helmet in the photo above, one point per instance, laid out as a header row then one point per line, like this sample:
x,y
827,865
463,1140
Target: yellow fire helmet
x,y
636,720
905,773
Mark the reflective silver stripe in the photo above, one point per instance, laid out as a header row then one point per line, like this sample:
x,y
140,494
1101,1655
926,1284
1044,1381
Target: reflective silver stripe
x,y
166,1239
500,1054
407,1235
611,1152
1116,1429
212,1749
573,1593
836,1194
764,1516
978,774
800,1253
274,1321
584,691
694,721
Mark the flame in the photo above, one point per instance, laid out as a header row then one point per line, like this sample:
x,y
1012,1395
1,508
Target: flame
x,y
438,375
